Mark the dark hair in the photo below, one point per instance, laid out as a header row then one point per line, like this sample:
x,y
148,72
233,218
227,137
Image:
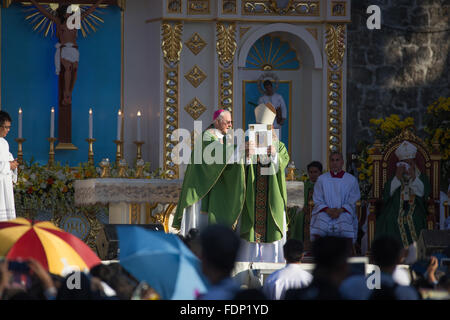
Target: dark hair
x,y
330,252
266,82
315,164
61,12
293,250
4,116
386,251
220,246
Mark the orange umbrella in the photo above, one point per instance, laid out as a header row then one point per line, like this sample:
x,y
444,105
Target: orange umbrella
x,y
55,249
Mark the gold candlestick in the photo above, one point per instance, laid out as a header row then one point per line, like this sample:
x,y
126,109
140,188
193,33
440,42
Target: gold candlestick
x,y
20,141
140,164
91,151
139,149
119,153
51,153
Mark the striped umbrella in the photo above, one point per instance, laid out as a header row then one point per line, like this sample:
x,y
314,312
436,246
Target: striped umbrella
x,y
58,251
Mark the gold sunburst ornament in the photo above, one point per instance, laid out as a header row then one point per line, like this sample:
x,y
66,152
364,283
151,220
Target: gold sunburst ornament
x,y
42,24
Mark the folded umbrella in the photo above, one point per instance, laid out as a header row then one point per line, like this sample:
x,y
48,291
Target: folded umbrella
x,y
163,261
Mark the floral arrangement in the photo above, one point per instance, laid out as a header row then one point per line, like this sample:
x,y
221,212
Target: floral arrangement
x,y
437,121
40,187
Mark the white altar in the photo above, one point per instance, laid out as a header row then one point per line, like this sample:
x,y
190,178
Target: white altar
x,y
144,201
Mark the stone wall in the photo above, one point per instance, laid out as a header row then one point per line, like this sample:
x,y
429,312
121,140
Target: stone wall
x,y
401,68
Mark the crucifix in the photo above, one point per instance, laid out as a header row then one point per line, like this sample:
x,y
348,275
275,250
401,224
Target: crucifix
x,y
67,55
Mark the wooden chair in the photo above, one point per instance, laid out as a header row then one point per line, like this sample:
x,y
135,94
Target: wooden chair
x,y
384,166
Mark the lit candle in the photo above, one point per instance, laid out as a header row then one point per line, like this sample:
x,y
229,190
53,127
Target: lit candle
x,y
139,126
119,125
20,123
52,123
90,124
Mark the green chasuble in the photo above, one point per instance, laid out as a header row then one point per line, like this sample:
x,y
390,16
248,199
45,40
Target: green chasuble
x,y
220,186
297,222
403,220
265,201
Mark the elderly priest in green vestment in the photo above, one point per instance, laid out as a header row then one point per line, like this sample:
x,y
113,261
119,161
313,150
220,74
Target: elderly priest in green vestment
x,y
263,219
213,188
404,200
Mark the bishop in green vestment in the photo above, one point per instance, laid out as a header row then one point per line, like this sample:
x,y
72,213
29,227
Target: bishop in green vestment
x,y
404,200
263,218
212,192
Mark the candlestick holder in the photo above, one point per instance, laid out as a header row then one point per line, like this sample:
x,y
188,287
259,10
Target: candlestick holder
x,y
140,164
51,153
20,141
291,172
105,165
139,149
119,153
122,168
91,151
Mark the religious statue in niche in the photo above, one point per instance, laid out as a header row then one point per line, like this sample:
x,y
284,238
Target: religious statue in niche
x,y
270,84
66,60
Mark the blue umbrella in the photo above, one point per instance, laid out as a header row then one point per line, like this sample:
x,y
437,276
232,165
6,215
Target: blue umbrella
x,y
163,261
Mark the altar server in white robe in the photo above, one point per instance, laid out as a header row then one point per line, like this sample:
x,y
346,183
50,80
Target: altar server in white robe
x,y
335,196
8,171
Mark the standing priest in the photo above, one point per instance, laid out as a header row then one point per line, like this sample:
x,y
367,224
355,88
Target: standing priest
x,y
263,218
213,189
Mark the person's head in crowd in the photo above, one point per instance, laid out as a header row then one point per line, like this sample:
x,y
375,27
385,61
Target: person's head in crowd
x,y
220,247
314,170
387,253
250,294
330,256
293,251
116,277
79,286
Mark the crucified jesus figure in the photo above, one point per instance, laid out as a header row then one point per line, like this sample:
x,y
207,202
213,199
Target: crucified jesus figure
x,y
67,55
66,63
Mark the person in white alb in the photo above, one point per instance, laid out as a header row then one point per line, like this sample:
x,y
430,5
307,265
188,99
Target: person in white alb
x,y
8,171
292,276
277,101
335,196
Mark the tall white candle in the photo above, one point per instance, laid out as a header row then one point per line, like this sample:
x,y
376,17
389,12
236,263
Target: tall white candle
x,y
119,125
52,123
20,124
139,126
90,125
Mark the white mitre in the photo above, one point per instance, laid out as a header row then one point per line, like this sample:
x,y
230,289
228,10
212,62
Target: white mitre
x,y
265,113
406,150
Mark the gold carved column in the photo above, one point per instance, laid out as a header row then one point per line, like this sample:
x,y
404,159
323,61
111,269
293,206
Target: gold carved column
x,y
171,47
226,48
335,51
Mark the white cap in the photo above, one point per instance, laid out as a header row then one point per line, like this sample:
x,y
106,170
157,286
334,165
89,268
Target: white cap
x,y
406,150
265,113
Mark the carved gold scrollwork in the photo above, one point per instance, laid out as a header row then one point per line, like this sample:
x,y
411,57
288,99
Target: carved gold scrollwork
x,y
195,108
335,45
171,42
226,43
